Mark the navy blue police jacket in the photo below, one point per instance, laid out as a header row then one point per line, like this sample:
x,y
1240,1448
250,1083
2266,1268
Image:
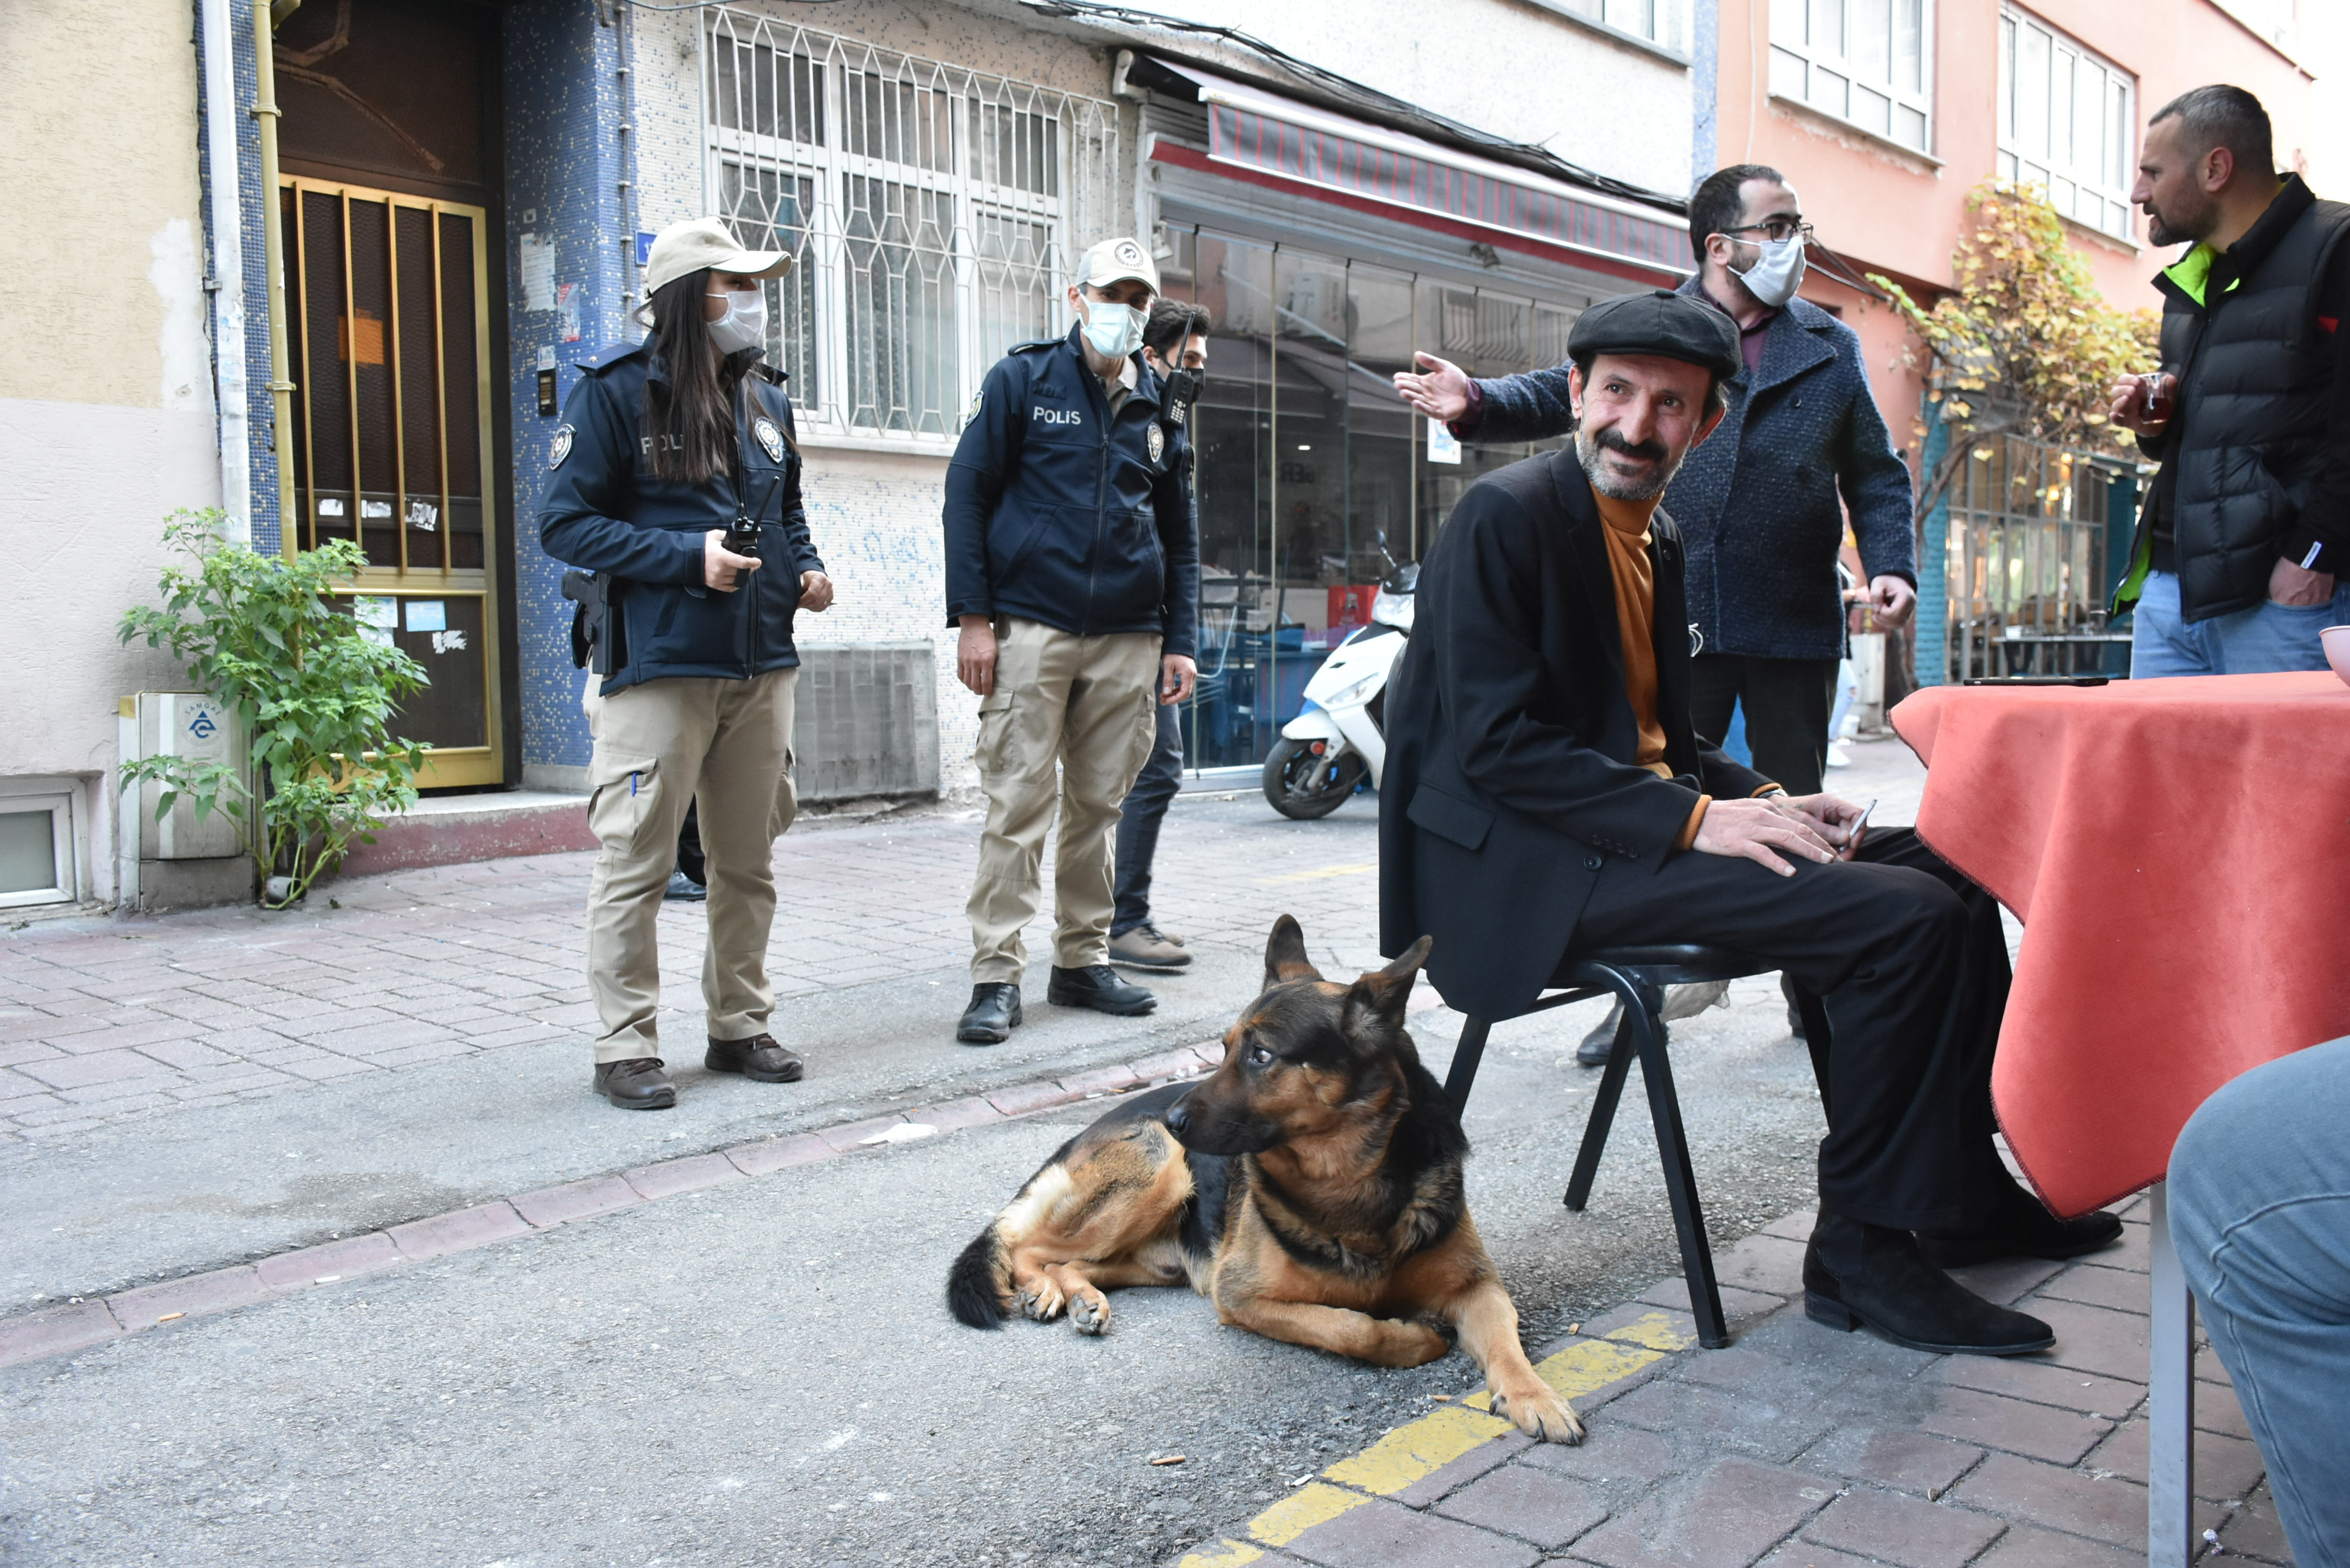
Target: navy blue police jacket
x,y
605,512
1059,513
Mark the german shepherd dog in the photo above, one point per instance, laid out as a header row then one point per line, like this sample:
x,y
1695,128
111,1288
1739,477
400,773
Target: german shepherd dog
x,y
1311,1188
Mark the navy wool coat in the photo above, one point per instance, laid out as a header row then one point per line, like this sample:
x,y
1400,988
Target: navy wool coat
x,y
1757,501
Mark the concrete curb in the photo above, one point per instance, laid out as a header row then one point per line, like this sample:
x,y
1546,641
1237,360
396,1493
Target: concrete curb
x,y
81,1323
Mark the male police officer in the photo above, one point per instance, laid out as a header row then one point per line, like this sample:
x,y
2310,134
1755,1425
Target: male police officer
x,y
1072,565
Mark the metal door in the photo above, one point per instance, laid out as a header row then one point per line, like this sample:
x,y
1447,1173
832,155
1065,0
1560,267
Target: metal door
x,y
388,307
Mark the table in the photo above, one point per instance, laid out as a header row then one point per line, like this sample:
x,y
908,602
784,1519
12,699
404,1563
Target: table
x,y
2175,850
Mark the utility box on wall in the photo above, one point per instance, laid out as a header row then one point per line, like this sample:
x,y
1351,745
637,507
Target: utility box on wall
x,y
178,862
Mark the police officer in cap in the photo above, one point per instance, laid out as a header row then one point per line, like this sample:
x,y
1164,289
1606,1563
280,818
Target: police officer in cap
x,y
1072,567
676,481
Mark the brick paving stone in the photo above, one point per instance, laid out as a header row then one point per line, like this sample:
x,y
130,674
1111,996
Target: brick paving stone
x,y
1792,1336
2094,1340
1380,1534
118,1099
1771,1264
56,1332
1707,1419
1807,1555
2224,1467
1019,1100
2216,1410
2209,1368
323,1065
2131,1252
1733,1513
1107,1080
955,1114
575,1200
414,1056
27,1051
672,1176
1612,1452
1549,1509
103,1067
194,1296
1903,1530
778,1154
1893,1458
2045,1383
1739,1307
1995,1421
2112,1289
1450,1477
2007,1280
330,1262
2024,1547
2029,1492
185,1054
53,1131
2254,1531
458,1233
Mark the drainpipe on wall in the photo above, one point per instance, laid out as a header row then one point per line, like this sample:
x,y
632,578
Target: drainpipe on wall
x,y
225,221
265,18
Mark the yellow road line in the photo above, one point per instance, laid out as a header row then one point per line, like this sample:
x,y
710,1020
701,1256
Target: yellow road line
x,y
1417,1449
1318,874
1657,1331
1301,1510
1223,1554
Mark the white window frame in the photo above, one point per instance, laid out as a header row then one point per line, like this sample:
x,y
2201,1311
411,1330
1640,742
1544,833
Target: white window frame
x,y
1662,22
59,809
1813,63
964,299
2092,187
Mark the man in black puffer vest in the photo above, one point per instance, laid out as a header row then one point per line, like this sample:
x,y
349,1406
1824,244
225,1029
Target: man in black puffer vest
x,y
2243,553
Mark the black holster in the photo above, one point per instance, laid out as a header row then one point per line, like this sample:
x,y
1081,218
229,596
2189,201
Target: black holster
x,y
591,623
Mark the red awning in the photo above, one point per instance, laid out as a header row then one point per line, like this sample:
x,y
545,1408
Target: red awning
x,y
1273,139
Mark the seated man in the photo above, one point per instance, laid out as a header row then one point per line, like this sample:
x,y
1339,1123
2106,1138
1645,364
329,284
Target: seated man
x,y
1544,789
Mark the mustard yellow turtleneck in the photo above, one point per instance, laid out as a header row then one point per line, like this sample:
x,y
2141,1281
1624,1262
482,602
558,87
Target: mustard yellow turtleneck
x,y
1627,532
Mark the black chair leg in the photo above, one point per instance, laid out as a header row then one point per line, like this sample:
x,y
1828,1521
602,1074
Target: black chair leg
x,y
1681,1186
1465,1057
1603,1108
1815,1038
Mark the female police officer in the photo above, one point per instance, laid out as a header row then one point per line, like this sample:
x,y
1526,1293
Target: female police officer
x,y
676,479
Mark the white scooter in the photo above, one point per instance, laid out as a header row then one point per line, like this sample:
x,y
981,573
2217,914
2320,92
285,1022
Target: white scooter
x,y
1339,736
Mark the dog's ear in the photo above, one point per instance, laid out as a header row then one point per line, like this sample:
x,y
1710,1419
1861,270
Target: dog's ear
x,y
1383,993
1285,954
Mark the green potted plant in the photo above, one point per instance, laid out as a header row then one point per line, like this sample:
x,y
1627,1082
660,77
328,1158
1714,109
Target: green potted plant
x,y
261,635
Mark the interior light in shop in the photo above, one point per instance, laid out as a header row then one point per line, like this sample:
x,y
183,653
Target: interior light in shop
x,y
1303,447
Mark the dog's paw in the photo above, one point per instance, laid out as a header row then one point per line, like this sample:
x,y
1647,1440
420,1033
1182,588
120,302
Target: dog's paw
x,y
1413,1344
1043,1302
1089,1312
1540,1413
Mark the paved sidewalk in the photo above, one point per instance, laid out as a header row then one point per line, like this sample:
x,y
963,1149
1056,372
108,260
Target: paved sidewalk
x,y
1797,1446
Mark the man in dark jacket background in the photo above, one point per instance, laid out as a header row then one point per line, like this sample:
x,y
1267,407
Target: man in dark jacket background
x,y
1545,788
1072,570
2239,560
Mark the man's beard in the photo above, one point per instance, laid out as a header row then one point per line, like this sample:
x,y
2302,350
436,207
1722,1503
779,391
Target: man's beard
x,y
1587,452
2183,228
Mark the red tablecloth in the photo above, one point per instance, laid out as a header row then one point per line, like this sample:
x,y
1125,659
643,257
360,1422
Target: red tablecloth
x,y
2179,853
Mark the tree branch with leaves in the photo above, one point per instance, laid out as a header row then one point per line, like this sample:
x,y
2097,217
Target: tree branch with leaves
x,y
2024,344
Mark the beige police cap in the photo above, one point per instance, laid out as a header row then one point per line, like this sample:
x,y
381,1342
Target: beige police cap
x,y
1114,261
699,243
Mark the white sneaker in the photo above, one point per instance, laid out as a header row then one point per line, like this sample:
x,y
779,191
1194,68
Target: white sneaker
x,y
1837,756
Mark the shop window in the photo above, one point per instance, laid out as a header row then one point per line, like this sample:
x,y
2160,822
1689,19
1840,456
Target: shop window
x,y
1865,61
933,213
2067,123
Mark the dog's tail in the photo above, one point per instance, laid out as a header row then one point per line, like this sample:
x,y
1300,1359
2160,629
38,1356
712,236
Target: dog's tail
x,y
978,1282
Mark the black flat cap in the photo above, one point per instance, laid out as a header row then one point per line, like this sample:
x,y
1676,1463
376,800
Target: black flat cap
x,y
1670,325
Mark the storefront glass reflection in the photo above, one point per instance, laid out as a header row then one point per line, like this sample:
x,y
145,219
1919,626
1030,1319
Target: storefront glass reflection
x,y
1314,480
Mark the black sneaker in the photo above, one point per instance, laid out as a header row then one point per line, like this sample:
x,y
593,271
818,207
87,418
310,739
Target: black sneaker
x,y
1098,986
992,1016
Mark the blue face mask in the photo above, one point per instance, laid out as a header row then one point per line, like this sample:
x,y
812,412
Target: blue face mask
x,y
1113,330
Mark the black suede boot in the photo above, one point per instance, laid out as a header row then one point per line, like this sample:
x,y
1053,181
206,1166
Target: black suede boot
x,y
2021,1227
1856,1274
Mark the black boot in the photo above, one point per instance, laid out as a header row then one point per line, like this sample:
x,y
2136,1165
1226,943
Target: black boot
x,y
2021,1227
992,1016
1099,987
1856,1274
636,1084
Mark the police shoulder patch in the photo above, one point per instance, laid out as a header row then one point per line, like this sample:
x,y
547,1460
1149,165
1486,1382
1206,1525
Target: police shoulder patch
x,y
771,440
1155,436
562,447
976,398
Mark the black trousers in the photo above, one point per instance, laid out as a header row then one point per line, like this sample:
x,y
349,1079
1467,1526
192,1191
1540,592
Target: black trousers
x,y
1910,961
1139,819
1787,701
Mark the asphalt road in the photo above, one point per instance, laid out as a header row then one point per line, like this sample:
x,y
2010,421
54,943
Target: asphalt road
x,y
764,1373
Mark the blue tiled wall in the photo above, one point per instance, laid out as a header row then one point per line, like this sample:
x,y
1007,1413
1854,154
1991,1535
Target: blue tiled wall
x,y
564,165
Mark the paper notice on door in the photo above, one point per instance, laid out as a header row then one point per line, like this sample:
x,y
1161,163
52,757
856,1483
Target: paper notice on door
x,y
1443,446
428,615
538,272
568,297
379,616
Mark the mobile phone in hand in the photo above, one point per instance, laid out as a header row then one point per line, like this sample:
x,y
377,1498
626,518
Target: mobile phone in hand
x,y
1856,833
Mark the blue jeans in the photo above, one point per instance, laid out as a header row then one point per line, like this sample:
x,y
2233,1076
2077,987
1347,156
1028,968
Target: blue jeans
x,y
2267,638
1139,820
2259,1210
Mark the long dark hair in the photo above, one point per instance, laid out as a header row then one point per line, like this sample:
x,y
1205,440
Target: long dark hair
x,y
689,417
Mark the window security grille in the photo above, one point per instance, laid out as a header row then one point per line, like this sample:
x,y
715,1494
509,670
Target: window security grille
x,y
2067,123
933,213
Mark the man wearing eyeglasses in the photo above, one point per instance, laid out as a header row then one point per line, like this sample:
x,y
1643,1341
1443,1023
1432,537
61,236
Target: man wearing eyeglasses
x,y
1762,505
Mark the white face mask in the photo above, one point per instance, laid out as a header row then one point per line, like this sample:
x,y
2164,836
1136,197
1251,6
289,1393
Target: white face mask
x,y
745,325
1114,330
1777,273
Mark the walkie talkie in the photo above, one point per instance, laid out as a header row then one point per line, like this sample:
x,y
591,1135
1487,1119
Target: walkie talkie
x,y
742,537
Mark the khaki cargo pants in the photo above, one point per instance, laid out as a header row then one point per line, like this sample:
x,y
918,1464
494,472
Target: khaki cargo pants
x,y
658,746
1080,706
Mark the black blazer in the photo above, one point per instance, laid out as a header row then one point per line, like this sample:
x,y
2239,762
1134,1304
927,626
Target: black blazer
x,y
1510,779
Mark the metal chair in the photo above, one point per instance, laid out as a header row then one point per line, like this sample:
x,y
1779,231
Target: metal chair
x,y
1639,975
